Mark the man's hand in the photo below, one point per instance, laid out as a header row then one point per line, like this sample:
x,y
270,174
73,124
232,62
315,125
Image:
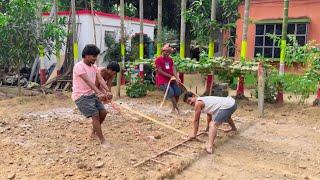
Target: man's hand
x,y
173,78
179,80
102,97
109,95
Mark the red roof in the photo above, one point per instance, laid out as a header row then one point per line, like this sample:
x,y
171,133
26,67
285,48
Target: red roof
x,y
114,16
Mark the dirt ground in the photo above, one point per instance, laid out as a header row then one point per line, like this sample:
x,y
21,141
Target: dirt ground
x,y
44,137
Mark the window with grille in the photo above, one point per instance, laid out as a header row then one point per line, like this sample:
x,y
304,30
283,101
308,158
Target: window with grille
x,y
267,47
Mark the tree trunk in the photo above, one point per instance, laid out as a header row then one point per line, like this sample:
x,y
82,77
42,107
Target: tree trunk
x,y
213,18
159,32
141,44
41,48
141,47
210,77
182,34
122,41
74,32
93,23
57,49
283,48
188,40
240,88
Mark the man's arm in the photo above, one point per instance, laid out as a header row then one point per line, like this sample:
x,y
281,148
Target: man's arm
x,y
159,70
196,119
102,82
175,72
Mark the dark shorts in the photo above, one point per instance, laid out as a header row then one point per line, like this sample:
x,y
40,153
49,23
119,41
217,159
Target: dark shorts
x,y
174,90
223,115
89,105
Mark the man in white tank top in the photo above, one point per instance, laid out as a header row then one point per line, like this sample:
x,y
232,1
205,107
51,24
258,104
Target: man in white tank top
x,y
218,110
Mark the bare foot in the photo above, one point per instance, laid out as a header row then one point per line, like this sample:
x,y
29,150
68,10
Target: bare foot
x,y
178,111
175,111
106,145
209,149
93,136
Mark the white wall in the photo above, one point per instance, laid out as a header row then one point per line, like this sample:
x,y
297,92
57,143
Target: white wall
x,y
102,24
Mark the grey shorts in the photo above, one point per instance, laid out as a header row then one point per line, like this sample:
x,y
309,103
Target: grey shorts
x,y
174,90
89,105
223,115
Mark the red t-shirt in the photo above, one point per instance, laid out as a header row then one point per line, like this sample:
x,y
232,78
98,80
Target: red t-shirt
x,y
166,64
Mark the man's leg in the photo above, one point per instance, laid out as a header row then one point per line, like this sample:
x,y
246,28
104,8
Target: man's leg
x,y
207,127
170,96
97,129
213,127
174,104
102,115
177,92
232,125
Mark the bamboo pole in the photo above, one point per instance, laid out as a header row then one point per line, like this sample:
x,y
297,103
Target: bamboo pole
x,y
152,119
166,150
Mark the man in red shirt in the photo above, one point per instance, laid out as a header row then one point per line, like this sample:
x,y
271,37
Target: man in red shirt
x,y
166,71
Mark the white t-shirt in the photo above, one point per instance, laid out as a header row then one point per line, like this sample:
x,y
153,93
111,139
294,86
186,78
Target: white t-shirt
x,y
213,103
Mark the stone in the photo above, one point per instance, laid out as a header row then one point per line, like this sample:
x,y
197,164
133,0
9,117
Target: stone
x,y
68,174
157,137
81,166
302,166
99,164
151,137
22,118
11,176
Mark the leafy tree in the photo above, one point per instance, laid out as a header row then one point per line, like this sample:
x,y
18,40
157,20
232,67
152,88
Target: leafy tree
x,y
22,35
199,16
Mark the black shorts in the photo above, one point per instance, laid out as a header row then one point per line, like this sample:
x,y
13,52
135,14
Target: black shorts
x,y
89,105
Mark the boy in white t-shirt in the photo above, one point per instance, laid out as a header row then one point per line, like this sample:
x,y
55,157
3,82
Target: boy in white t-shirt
x,y
218,110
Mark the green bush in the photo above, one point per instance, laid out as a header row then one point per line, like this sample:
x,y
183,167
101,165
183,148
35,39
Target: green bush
x,y
136,89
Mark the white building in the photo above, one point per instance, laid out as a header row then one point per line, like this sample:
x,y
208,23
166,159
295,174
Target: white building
x,y
104,24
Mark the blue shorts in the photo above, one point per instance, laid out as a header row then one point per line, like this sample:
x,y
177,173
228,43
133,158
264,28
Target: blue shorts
x,y
223,115
174,90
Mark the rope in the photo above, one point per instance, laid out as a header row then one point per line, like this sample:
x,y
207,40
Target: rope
x,y
114,106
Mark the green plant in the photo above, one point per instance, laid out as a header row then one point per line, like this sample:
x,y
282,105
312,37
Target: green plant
x,y
149,86
136,89
198,14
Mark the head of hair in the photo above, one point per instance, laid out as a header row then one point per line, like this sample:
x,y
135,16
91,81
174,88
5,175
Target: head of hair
x,y
167,48
90,49
114,66
187,95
